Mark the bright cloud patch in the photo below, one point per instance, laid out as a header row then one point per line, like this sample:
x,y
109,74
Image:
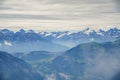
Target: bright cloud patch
x,y
7,43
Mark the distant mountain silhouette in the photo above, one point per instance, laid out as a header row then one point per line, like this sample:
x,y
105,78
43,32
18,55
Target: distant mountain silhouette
x,y
66,38
71,39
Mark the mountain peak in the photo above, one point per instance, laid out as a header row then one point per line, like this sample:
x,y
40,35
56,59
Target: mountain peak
x,y
22,30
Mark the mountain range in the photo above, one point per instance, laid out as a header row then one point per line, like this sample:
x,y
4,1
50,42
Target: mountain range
x,y
86,61
26,41
86,33
66,39
71,39
30,35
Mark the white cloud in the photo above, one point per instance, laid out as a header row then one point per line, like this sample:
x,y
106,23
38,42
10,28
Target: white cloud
x,y
0,44
51,77
7,43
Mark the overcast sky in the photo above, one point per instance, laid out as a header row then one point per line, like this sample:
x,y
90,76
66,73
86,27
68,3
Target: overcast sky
x,y
59,14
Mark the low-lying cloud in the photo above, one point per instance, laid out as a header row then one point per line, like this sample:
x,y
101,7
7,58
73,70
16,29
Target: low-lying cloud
x,y
103,67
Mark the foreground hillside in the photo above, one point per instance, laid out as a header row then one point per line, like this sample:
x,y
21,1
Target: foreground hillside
x,y
12,68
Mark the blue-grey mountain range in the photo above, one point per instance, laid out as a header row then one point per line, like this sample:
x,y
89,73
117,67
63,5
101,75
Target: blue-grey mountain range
x,y
93,55
55,41
87,61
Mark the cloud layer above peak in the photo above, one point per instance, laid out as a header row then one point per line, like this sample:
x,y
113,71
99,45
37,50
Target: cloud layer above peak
x,y
59,14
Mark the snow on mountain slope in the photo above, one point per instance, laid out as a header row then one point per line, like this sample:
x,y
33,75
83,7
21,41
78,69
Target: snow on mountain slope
x,y
66,35
66,38
26,41
86,33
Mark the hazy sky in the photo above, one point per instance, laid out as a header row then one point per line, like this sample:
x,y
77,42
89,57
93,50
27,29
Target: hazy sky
x,y
59,14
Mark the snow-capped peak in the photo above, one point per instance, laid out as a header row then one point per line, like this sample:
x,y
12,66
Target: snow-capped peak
x,y
69,33
48,34
88,31
100,33
61,35
42,33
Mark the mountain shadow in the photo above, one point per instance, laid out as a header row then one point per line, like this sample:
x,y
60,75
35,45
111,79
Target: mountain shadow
x,y
12,68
